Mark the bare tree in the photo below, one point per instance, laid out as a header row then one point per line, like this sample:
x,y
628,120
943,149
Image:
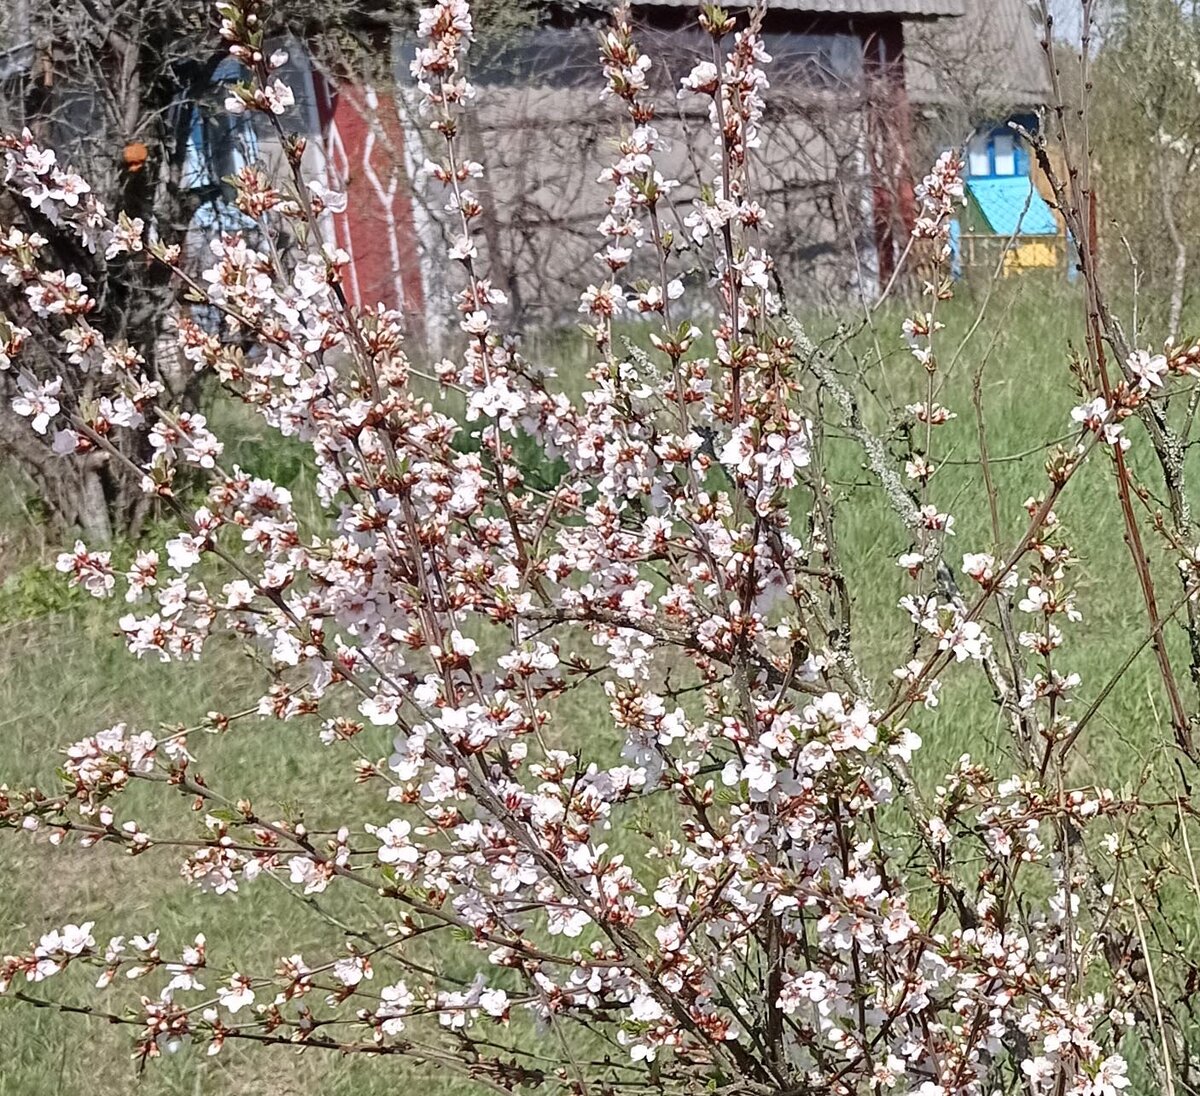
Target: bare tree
x,y
130,94
1147,123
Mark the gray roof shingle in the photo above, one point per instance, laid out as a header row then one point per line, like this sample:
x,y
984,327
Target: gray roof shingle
x,y
911,9
991,59
988,59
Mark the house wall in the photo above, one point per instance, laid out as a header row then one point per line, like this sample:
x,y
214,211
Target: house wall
x,y
544,149
833,176
364,144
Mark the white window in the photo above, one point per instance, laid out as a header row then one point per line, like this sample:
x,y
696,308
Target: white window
x,y
1006,155
978,160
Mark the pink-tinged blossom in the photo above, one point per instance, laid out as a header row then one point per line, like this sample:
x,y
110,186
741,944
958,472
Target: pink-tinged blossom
x,y
237,995
1149,370
37,400
939,194
396,1002
1097,417
314,877
1109,1079
91,570
676,578
352,970
396,850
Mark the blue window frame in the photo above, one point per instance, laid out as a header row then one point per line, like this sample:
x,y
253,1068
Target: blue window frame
x,y
998,152
219,143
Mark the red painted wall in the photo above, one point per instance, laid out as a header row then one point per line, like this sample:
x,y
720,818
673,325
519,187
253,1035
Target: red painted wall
x,y
889,130
364,143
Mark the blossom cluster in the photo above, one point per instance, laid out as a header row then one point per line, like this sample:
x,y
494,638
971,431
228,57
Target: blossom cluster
x,y
438,622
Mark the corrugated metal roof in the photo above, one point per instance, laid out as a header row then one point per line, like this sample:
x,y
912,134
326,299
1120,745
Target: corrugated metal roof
x,y
1012,206
992,58
912,9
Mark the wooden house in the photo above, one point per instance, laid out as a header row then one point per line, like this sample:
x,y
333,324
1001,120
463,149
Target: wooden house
x,y
977,83
863,94
835,168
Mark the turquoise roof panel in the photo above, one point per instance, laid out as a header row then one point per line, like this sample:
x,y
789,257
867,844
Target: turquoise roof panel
x,y
1012,206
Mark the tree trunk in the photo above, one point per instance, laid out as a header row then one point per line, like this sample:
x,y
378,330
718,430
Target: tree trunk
x,y
92,508
1177,286
1179,275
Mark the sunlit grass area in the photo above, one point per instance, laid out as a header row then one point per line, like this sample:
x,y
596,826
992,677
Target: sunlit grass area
x,y
64,673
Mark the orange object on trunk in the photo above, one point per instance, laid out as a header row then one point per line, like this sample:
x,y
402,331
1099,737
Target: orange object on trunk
x,y
136,155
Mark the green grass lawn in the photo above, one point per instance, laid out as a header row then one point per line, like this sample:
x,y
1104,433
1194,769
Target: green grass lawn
x,y
63,673
1025,343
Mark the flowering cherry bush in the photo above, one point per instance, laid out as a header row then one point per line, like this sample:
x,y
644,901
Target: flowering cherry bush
x,y
815,918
